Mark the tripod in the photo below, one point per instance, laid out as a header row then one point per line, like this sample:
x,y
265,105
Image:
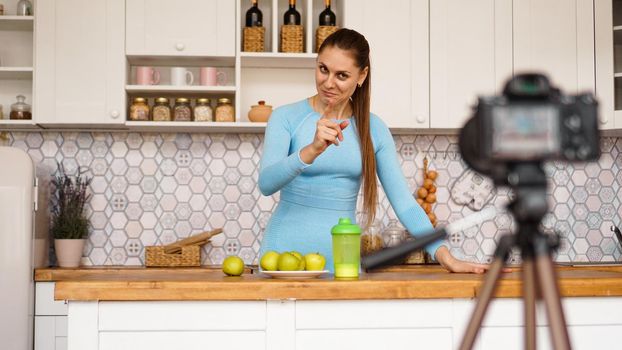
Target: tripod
x,y
538,273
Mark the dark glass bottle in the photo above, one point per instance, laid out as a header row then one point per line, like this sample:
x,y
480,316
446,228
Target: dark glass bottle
x,y
327,17
291,16
254,17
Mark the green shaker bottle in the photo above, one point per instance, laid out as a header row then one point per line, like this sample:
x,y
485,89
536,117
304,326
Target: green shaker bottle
x,y
346,248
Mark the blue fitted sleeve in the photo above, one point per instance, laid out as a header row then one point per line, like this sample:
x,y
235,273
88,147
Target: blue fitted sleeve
x,y
408,211
277,167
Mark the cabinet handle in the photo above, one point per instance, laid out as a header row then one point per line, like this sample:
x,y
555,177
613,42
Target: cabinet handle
x,y
114,114
180,47
420,119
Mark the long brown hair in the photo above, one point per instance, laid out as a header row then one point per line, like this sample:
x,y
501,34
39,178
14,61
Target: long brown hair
x,y
355,43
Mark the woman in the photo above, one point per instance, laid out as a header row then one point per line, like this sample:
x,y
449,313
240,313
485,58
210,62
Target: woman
x,y
318,151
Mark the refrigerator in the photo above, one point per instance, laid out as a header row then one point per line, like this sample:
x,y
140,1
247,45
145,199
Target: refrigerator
x,y
18,248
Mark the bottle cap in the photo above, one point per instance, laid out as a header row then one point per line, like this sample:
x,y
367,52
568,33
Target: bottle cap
x,y
346,227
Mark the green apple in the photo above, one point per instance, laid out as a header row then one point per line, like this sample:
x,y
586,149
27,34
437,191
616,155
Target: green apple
x,y
301,265
233,266
315,262
297,254
270,261
288,262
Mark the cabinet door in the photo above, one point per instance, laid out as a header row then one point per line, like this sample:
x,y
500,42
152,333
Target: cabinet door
x,y
80,63
604,63
470,55
397,34
557,38
180,28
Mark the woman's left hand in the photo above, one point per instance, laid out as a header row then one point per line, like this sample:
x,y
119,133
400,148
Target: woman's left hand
x,y
444,257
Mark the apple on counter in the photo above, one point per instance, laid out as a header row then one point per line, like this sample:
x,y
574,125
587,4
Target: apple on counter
x,y
292,261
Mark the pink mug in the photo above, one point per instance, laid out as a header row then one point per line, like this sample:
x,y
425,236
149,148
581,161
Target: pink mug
x,y
147,76
210,76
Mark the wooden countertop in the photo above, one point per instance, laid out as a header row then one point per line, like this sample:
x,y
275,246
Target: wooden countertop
x,y
209,283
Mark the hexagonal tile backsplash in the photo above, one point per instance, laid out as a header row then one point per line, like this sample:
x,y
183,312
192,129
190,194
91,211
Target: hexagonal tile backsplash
x,y
157,188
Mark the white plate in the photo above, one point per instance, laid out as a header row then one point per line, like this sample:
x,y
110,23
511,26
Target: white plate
x,y
294,274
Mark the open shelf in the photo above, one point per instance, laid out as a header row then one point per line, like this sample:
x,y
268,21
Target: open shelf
x,y
8,124
150,126
16,23
16,73
197,61
167,89
277,60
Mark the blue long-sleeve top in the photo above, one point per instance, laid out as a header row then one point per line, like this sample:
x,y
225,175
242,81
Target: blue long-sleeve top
x,y
333,180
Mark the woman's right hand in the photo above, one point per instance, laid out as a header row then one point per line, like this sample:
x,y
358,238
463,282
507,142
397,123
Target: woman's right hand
x,y
327,132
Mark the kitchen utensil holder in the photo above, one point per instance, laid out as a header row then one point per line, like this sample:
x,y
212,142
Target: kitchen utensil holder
x,y
254,39
189,256
291,38
321,33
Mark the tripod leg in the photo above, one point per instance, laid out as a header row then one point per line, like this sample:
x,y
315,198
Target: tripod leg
x,y
486,292
529,295
550,294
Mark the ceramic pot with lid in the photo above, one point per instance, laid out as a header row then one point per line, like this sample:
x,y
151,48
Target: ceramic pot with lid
x,y
260,113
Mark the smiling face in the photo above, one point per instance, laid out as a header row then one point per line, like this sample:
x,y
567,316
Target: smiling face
x,y
337,75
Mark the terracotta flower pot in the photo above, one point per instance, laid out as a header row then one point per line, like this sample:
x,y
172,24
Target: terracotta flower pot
x,y
69,251
260,113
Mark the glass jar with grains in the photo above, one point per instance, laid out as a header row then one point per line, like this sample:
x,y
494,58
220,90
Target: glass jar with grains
x,y
161,111
182,111
139,110
224,111
371,238
203,110
20,110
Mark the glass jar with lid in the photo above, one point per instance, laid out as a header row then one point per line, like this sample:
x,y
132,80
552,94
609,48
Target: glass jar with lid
x,y
371,238
224,111
182,111
139,110
20,110
161,111
203,110
393,234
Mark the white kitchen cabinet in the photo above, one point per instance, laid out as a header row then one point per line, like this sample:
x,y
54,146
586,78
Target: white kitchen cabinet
x,y
180,28
607,43
374,324
50,333
470,55
328,324
50,319
397,32
556,37
80,62
16,64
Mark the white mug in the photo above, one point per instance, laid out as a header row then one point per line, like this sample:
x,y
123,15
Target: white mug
x,y
180,76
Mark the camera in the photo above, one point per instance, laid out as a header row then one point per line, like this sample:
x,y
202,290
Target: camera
x,y
531,121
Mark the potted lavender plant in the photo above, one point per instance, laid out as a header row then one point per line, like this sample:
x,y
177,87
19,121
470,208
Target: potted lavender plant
x,y
69,222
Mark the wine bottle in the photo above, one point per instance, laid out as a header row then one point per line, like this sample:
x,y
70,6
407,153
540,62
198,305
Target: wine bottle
x,y
254,17
291,16
327,17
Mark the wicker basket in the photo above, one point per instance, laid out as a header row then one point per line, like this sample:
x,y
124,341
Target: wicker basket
x,y
189,256
322,33
254,39
292,38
